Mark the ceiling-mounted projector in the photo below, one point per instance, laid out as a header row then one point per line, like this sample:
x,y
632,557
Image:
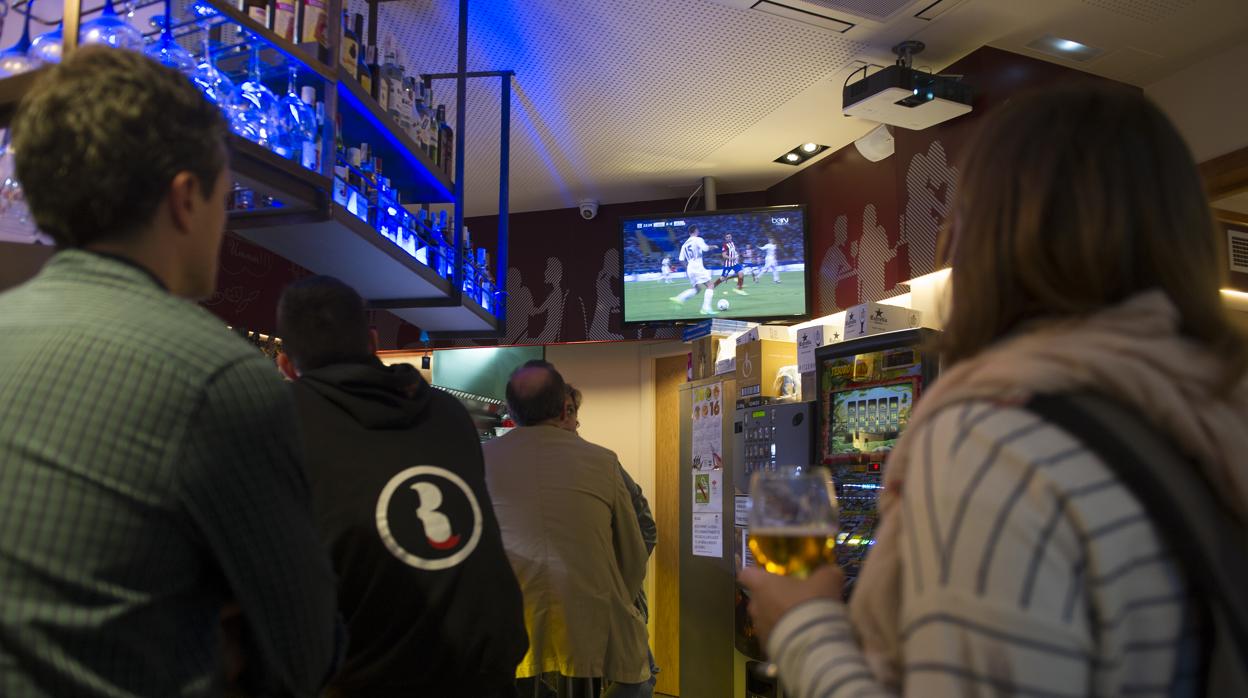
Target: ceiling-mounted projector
x,y
901,96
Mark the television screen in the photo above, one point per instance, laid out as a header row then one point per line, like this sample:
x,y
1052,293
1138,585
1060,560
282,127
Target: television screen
x,y
744,264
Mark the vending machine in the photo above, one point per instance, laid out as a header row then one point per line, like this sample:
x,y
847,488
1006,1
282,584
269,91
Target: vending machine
x,y
867,389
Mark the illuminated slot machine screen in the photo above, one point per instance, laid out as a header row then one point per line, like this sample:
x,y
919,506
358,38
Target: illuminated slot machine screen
x,y
867,392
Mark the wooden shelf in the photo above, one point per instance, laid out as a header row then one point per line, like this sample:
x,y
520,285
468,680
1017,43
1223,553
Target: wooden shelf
x,y
409,169
12,89
449,322
341,245
291,50
302,192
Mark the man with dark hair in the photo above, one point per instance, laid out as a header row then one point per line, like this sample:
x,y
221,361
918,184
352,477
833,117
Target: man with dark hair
x,y
148,472
399,497
573,540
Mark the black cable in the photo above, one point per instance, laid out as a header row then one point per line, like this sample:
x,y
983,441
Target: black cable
x,y
851,75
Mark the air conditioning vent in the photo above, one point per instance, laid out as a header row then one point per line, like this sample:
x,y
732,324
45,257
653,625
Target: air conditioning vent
x,y
1237,244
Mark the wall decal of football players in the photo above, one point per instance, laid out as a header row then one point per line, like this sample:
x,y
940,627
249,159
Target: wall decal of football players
x,y
930,183
874,253
838,275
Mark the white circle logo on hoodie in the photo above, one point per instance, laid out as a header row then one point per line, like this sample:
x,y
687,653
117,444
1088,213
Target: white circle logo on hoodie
x,y
429,518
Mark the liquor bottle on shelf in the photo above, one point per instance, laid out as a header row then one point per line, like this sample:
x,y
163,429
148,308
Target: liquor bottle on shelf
x,y
391,79
361,63
445,258
374,78
340,148
284,19
468,282
314,27
349,51
407,109
446,140
431,125
423,117
257,10
320,135
420,230
310,154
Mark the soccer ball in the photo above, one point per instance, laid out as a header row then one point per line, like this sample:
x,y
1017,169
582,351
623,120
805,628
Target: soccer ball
x,y
722,304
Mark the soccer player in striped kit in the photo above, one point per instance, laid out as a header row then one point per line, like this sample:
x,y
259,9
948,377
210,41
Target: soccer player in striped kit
x,y
732,265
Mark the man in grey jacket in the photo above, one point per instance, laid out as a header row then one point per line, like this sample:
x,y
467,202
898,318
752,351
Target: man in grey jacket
x,y
572,538
641,508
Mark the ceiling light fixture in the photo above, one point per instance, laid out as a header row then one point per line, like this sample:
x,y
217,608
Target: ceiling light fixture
x,y
1066,49
801,153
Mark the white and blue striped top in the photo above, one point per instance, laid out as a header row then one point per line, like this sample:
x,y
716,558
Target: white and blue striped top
x,y
1028,570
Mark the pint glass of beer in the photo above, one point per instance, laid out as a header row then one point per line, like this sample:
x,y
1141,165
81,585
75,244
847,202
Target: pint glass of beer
x,y
793,519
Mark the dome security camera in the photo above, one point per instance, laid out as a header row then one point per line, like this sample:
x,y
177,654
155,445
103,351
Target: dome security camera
x,y
589,209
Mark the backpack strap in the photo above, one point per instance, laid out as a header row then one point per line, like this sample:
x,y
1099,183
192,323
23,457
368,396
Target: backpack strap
x,y
1208,541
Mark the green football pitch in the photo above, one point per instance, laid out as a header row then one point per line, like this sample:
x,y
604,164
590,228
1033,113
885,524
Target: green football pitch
x,y
649,301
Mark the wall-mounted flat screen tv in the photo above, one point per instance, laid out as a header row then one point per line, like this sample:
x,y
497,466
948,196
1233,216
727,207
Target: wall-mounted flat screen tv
x,y
747,264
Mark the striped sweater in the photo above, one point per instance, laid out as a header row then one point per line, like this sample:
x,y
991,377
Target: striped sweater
x,y
1029,570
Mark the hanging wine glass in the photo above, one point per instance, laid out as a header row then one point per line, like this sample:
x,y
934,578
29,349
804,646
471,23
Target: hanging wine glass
x,y
215,84
297,122
165,50
47,46
16,58
252,107
113,30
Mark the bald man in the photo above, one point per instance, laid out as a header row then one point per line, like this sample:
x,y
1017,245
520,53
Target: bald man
x,y
572,537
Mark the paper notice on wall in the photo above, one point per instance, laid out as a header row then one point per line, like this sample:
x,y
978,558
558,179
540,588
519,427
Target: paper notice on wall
x,y
741,515
708,535
708,491
708,433
742,556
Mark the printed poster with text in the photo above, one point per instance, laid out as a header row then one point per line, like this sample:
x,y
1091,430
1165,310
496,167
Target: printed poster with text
x,y
708,434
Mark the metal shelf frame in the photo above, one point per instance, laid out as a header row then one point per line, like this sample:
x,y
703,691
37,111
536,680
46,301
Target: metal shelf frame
x,y
306,195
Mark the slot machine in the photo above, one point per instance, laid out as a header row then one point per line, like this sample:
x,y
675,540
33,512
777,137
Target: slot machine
x,y
866,391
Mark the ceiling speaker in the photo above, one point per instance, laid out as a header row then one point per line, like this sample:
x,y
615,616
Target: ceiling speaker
x,y
876,145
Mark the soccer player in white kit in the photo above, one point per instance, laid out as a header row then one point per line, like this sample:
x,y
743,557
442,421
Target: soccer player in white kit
x,y
699,278
667,270
769,264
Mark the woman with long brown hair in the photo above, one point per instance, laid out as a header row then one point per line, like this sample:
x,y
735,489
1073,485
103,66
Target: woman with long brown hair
x,y
1010,558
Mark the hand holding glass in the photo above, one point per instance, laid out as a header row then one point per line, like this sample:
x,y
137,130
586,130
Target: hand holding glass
x,y
793,520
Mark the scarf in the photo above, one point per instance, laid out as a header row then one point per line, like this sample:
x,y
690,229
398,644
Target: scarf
x,y
1131,353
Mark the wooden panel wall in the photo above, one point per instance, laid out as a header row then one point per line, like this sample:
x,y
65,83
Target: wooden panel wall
x,y
669,374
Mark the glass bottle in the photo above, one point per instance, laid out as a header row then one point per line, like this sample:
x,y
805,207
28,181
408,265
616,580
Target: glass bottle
x,y
361,61
348,56
446,137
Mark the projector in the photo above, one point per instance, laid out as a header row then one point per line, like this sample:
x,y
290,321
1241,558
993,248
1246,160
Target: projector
x,y
901,96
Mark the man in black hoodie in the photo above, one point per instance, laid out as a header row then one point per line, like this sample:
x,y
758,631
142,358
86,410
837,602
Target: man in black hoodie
x,y
399,497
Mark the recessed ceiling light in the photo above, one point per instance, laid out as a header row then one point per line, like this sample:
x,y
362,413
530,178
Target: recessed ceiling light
x,y
1067,49
801,153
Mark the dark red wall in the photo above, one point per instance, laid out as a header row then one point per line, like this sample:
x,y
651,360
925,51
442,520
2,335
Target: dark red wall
x,y
873,225
250,280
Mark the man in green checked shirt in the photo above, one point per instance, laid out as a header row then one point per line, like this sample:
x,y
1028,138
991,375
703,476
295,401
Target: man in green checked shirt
x,y
149,464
